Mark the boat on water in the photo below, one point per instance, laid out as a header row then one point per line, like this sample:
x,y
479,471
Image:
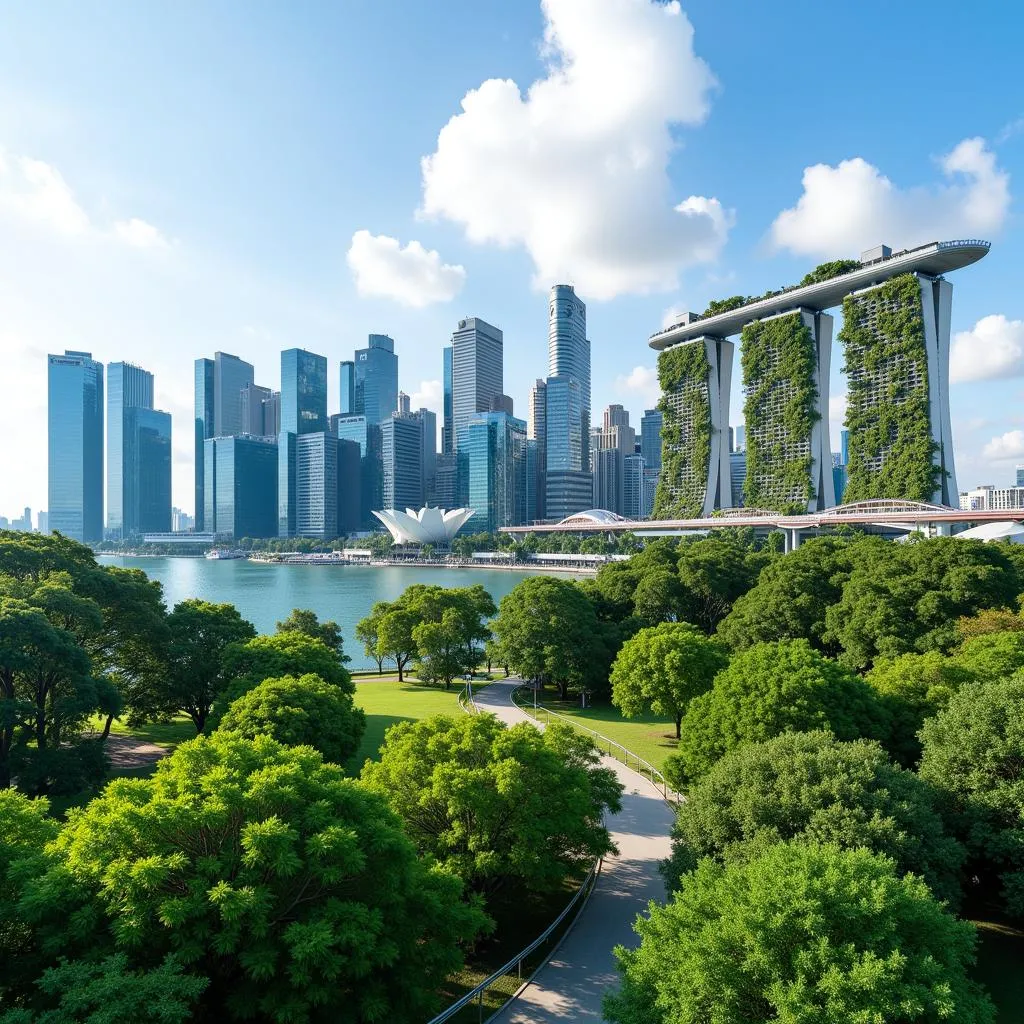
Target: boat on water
x,y
223,553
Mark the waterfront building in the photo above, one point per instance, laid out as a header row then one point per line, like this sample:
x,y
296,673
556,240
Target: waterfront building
x,y
1020,476
138,455
650,438
492,470
446,482
350,516
608,479
633,486
536,430
316,477
240,488
988,498
569,349
254,398
182,522
402,462
303,392
477,370
427,526
367,437
534,480
375,379
737,476
568,486
75,445
230,376
204,429
448,411
428,425
348,387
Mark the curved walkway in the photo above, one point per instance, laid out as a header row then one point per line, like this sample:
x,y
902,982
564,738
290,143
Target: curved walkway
x,y
570,986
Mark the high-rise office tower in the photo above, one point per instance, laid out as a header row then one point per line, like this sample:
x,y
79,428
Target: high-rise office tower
x,y
401,447
633,486
404,406
375,378
230,376
569,348
254,399
650,438
537,431
272,414
534,480
609,446
348,387
367,436
128,387
492,458
75,445
303,392
477,370
316,476
568,484
241,487
446,482
615,416
204,428
428,426
448,424
501,403
349,487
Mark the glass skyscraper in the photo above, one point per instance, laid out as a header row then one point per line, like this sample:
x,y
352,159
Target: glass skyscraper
x,y
204,426
375,379
569,487
569,348
650,438
492,466
316,476
75,445
230,376
401,448
356,428
348,387
448,411
241,487
477,370
303,392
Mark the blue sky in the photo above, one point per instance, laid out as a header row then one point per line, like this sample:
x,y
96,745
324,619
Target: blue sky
x,y
176,179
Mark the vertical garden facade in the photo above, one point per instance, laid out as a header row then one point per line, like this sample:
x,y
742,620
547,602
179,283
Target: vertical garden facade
x,y
896,349
695,378
786,361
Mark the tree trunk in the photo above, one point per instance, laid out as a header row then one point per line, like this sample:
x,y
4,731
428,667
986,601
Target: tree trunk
x,y
106,728
679,724
380,665
563,690
401,664
198,717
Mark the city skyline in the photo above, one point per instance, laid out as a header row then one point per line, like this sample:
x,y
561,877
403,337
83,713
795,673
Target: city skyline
x,y
340,232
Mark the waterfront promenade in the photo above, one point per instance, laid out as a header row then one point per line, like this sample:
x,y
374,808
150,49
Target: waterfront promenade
x,y
571,985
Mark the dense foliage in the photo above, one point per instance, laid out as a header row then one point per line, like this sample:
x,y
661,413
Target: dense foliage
x,y
495,804
887,412
684,376
803,933
826,271
779,360
767,690
809,785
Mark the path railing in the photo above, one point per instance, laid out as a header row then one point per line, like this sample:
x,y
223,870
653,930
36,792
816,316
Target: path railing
x,y
466,701
550,939
606,745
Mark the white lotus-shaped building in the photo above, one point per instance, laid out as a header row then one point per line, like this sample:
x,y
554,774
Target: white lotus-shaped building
x,y
428,526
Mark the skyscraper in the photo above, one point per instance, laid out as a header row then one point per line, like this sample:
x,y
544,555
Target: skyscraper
x,y
448,424
633,486
230,376
316,480
204,428
428,425
128,387
404,406
348,387
303,392
401,446
650,438
536,430
349,487
75,445
254,399
375,377
477,370
569,348
367,437
241,487
493,471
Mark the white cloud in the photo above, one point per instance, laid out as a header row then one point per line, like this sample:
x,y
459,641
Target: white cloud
x,y
1005,447
669,317
575,170
429,395
853,206
991,350
836,419
642,383
139,233
381,266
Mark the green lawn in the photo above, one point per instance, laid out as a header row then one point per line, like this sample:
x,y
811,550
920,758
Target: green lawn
x,y
162,734
651,737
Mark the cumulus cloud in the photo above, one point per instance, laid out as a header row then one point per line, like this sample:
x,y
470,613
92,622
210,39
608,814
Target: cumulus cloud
x,y
992,349
836,418
382,267
36,191
575,169
853,206
429,395
1006,446
642,383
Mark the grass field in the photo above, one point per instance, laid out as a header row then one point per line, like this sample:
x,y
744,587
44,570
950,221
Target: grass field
x,y
651,737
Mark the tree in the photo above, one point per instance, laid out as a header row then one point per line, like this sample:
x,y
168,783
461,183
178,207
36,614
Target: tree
x,y
663,668
811,786
440,651
991,656
394,636
304,711
201,633
803,933
658,597
367,632
914,687
767,690
973,752
989,620
265,870
549,631
496,804
302,620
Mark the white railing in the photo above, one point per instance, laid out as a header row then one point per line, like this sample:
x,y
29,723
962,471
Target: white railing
x,y
516,963
610,747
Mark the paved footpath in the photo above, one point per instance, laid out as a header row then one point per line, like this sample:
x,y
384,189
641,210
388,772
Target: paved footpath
x,y
570,986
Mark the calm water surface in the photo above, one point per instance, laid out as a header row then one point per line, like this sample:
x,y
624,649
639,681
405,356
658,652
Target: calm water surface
x,y
265,593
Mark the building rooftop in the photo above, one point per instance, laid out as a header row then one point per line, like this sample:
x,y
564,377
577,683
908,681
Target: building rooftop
x,y
934,258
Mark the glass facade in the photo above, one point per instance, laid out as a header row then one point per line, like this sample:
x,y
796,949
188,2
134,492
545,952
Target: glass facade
x,y
350,513
128,387
316,478
287,492
492,466
569,349
650,437
375,379
204,424
75,445
255,399
367,436
633,487
230,376
348,387
477,370
303,392
241,485
401,446
448,426
147,466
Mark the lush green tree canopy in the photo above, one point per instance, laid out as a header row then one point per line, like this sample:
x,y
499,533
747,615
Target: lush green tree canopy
x,y
803,933
767,690
494,804
304,711
302,620
663,668
991,656
974,753
271,655
265,870
809,785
